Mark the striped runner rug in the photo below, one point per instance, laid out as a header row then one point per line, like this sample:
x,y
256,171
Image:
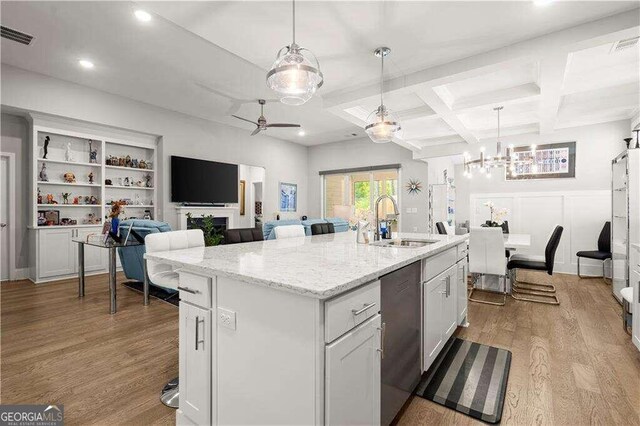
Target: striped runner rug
x,y
470,378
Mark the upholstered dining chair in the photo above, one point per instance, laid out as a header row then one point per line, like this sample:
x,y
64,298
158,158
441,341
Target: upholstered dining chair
x,y
603,253
486,257
242,235
289,231
442,230
164,275
536,263
322,228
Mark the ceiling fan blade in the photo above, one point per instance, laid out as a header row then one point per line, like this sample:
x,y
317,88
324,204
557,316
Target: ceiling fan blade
x,y
256,131
282,125
244,119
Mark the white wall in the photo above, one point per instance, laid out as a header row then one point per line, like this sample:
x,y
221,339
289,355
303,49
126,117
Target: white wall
x,y
360,153
180,134
596,146
15,139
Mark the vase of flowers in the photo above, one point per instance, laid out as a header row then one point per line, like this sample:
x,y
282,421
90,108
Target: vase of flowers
x,y
497,215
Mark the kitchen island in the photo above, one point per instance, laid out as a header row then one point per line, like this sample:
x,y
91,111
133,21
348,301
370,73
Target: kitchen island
x,y
290,332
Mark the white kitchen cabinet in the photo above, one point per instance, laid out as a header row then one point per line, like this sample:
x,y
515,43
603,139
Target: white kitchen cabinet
x,y
195,363
461,291
56,252
440,313
352,378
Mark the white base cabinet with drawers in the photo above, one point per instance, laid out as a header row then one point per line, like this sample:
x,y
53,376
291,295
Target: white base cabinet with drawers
x,y
251,354
56,255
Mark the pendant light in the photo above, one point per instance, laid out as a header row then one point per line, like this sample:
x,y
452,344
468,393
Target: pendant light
x,y
295,75
382,126
509,161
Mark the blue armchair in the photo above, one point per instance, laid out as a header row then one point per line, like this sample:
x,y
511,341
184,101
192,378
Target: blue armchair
x,y
132,259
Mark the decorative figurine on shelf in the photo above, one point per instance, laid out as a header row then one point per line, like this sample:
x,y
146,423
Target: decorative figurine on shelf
x,y
120,181
93,200
147,215
108,182
39,196
142,164
43,173
93,154
137,201
148,182
46,146
126,182
121,162
65,197
91,178
116,209
127,161
76,200
50,199
68,155
134,163
69,177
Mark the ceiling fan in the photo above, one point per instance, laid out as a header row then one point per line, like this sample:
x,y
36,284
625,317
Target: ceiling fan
x,y
262,122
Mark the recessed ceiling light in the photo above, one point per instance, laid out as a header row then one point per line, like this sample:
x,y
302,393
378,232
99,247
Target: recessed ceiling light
x,y
301,133
542,2
85,64
142,15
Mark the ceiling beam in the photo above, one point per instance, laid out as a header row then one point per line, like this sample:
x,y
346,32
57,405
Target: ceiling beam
x,y
551,80
431,98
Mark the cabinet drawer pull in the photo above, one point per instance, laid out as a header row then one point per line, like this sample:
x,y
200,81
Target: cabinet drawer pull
x,y
198,341
188,290
382,329
357,312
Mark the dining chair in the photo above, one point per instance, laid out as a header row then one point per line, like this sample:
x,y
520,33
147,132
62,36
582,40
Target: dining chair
x,y
603,253
536,263
289,231
486,257
322,228
165,275
242,235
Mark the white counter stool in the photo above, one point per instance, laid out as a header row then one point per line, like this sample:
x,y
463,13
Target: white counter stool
x,y
289,231
627,300
163,275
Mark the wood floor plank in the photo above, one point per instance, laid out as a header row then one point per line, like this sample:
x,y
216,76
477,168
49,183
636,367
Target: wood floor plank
x,y
571,364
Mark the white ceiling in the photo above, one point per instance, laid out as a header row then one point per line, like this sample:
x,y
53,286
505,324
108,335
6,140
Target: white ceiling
x,y
451,62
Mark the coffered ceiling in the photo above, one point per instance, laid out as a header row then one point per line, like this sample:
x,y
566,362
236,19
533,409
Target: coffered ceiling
x,y
451,63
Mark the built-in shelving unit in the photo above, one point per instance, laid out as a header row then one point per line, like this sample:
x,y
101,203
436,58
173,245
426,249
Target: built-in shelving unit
x,y
68,152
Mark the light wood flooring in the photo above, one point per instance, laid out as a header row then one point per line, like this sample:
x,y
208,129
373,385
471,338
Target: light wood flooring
x,y
572,364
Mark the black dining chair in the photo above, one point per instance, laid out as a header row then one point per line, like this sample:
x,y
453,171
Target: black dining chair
x,y
536,263
442,230
322,228
603,253
242,235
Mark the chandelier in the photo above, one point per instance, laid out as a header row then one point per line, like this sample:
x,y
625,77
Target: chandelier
x,y
382,126
295,75
508,160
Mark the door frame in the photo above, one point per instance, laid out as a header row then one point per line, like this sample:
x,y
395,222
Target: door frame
x,y
11,228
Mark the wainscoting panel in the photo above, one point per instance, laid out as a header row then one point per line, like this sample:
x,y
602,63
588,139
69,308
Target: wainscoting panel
x,y
581,213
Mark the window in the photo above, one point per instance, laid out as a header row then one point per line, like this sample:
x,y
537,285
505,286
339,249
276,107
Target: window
x,y
348,192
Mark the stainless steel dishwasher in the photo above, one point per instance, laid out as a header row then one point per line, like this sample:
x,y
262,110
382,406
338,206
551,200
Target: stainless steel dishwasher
x,y
400,308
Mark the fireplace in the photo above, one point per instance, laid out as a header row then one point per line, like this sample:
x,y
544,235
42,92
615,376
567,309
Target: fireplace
x,y
219,223
224,217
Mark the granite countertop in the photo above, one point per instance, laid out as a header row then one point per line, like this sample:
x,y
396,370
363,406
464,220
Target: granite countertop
x,y
320,266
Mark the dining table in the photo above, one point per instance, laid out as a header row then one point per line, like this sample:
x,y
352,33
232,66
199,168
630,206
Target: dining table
x,y
517,241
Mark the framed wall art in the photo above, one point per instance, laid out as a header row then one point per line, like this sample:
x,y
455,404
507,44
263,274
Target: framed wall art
x,y
288,197
552,161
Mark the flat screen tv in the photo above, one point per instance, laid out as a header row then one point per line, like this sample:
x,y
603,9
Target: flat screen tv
x,y
203,182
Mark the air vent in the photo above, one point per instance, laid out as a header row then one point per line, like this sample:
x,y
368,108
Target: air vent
x,y
624,44
14,35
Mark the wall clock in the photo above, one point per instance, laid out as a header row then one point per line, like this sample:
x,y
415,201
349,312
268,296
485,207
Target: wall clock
x,y
414,186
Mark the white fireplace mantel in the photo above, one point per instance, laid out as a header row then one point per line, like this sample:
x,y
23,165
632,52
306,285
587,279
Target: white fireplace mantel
x,y
231,213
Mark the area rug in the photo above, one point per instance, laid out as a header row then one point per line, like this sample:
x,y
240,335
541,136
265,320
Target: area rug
x,y
155,292
470,378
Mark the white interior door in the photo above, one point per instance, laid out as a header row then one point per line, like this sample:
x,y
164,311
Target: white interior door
x,y
4,217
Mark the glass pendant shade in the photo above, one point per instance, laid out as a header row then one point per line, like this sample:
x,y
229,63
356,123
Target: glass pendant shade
x,y
382,126
294,77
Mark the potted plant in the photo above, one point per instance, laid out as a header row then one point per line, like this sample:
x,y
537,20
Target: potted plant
x,y
497,215
212,235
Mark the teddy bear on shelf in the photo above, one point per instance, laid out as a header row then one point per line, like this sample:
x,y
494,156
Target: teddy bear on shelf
x,y
69,177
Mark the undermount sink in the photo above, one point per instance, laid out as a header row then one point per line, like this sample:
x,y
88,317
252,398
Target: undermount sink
x,y
404,242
